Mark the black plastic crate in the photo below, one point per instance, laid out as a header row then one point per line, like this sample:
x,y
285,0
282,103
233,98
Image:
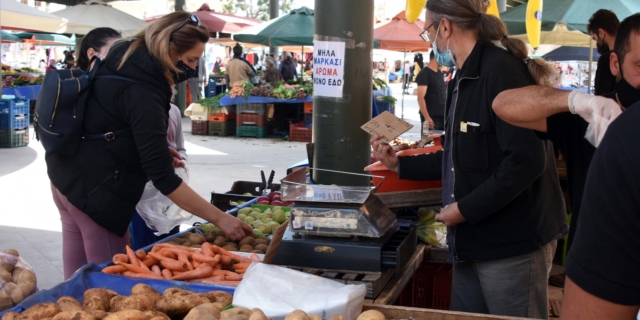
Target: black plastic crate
x,y
12,138
222,129
308,118
223,200
242,187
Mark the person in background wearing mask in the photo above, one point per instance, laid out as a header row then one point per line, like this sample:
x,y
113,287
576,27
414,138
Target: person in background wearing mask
x,y
547,111
603,27
273,74
104,181
238,69
503,203
288,68
217,65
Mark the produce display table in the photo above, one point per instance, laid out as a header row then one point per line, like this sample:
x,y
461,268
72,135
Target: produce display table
x,y
227,101
392,290
24,92
394,312
413,198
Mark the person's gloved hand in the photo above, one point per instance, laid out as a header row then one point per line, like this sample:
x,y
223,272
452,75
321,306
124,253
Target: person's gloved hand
x,y
599,112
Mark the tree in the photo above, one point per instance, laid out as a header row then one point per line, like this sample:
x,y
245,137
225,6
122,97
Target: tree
x,y
258,9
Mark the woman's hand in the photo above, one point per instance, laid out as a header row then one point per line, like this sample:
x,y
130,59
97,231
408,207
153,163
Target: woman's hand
x,y
233,227
178,162
384,153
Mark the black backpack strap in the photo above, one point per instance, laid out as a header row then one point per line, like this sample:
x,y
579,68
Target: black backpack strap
x,y
117,77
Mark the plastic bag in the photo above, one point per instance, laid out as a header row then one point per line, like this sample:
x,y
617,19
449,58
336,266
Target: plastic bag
x,y
158,211
17,280
277,291
429,230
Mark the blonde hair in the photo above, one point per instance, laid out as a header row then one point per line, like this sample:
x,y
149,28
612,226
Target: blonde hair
x,y
471,15
162,39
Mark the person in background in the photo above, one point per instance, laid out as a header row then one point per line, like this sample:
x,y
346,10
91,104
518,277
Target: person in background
x,y
141,235
217,65
603,27
431,94
52,65
385,65
196,83
309,65
275,60
273,74
103,182
42,64
502,200
406,77
288,68
238,69
84,240
69,59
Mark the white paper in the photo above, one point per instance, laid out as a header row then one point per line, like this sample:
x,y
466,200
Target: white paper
x,y
277,291
328,68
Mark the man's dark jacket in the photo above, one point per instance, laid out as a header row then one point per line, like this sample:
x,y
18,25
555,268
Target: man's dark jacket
x,y
506,182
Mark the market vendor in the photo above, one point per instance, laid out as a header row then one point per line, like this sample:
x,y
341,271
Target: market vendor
x,y
272,76
238,69
503,203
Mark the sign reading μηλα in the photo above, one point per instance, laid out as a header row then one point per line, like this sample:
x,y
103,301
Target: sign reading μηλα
x,y
328,68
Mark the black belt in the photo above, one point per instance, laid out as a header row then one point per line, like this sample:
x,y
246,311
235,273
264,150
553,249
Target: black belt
x,y
109,136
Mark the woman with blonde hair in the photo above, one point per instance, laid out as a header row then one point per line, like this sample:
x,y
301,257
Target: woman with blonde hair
x,y
125,142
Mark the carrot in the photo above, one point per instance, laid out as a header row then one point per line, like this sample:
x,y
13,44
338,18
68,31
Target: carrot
x,y
223,273
218,282
227,253
136,269
241,271
204,258
168,254
175,247
149,262
255,258
226,260
182,257
143,266
114,269
141,275
140,254
132,256
120,257
174,272
217,267
166,273
206,249
159,257
233,277
174,265
196,264
155,269
242,265
199,273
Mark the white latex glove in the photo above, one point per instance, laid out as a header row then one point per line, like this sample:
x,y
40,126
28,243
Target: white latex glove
x,y
598,111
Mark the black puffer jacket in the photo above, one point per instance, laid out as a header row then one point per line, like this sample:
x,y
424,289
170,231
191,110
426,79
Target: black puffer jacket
x,y
106,178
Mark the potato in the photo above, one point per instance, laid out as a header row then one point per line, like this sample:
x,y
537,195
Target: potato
x,y
126,315
210,235
5,301
11,316
68,304
246,240
5,276
179,303
220,241
98,314
152,314
234,313
147,290
97,299
204,311
8,262
223,297
337,317
73,315
171,291
315,317
196,239
14,292
41,311
231,247
115,302
257,314
297,315
371,315
260,241
12,252
246,247
136,302
239,317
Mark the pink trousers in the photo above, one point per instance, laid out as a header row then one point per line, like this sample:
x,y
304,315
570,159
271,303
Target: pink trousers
x,y
83,240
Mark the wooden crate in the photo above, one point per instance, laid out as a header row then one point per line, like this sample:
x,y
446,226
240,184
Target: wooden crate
x,y
375,281
395,312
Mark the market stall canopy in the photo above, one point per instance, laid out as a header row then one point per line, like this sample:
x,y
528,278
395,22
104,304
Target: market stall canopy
x,y
220,22
46,39
230,43
94,14
560,35
400,35
8,37
295,28
574,13
71,2
15,15
571,54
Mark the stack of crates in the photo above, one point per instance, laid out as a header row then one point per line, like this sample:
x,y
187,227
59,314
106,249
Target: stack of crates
x,y
199,121
14,123
222,124
308,114
251,120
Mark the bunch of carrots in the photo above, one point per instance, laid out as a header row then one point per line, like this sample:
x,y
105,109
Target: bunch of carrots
x,y
212,264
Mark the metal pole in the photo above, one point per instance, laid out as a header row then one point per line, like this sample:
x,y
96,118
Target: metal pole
x,y
274,12
181,96
404,59
338,142
590,61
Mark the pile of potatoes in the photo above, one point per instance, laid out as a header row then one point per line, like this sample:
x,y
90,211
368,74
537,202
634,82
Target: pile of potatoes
x,y
144,303
17,280
250,244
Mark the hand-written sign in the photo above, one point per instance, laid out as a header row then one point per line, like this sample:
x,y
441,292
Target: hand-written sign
x,y
327,194
387,125
328,68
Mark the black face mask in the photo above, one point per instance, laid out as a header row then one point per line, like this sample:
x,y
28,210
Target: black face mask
x,y
627,94
186,74
602,48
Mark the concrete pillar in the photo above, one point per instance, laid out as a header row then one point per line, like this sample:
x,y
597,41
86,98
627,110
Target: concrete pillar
x,y
342,103
181,96
274,12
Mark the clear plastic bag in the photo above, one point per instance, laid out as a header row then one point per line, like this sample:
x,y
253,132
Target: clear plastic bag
x,y
17,280
158,211
429,230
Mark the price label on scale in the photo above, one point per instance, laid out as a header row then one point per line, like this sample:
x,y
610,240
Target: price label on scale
x,y
327,194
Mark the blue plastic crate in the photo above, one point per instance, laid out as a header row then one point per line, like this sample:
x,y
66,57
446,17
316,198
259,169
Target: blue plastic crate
x,y
10,121
14,107
12,138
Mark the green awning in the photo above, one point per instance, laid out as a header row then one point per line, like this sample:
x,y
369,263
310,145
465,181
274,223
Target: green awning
x,y
295,28
47,39
8,37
